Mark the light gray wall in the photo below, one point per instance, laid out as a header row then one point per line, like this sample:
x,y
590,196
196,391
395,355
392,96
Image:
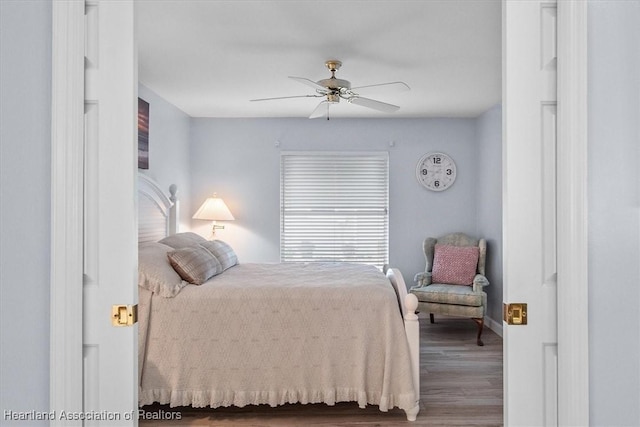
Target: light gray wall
x,y
239,159
489,203
169,149
25,197
614,212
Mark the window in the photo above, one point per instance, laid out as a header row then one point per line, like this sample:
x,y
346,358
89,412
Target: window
x,y
334,207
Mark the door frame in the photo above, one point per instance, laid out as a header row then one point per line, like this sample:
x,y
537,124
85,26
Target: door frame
x,y
67,128
571,215
67,209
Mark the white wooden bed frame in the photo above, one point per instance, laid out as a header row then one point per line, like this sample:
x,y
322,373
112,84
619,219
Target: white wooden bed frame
x,y
158,217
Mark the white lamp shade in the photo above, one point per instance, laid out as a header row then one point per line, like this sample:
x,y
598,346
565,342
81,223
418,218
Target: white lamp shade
x,y
214,209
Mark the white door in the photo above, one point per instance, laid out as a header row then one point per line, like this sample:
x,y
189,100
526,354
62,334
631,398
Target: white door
x,y
529,211
110,230
93,220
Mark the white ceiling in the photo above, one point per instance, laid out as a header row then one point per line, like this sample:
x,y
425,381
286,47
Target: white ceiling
x,y
209,58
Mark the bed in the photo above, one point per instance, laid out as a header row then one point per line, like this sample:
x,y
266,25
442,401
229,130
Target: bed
x,y
270,333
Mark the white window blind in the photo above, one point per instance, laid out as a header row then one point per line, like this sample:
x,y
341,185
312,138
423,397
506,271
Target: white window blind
x,y
334,207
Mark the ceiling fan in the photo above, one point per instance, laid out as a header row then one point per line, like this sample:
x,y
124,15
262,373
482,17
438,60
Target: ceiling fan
x,y
334,89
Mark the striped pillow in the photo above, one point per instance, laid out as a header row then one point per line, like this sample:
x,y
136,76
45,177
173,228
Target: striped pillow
x,y
194,264
222,251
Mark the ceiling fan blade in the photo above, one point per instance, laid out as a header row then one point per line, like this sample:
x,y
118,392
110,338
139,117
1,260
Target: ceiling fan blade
x,y
322,110
287,97
372,103
311,83
386,87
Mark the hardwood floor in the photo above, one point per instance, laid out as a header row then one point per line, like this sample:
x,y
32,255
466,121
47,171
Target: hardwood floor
x,y
461,385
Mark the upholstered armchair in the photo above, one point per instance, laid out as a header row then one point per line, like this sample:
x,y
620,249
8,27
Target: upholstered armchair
x,y
453,279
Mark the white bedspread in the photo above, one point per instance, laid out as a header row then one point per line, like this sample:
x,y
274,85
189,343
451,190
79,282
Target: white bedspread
x,y
275,334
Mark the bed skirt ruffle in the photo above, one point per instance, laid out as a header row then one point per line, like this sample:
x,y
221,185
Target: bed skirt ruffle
x,y
215,399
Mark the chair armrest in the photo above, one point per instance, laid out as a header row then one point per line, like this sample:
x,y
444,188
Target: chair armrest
x,y
479,281
423,279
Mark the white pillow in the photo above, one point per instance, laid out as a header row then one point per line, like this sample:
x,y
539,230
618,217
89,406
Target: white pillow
x,y
182,240
154,271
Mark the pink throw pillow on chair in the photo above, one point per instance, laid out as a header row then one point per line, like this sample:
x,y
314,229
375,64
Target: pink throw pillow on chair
x,y
454,264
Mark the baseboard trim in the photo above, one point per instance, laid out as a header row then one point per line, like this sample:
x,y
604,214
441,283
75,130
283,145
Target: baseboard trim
x,y
493,325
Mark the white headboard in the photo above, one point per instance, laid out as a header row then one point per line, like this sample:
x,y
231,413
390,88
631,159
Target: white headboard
x,y
157,212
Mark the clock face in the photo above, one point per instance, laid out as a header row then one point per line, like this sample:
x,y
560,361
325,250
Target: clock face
x,y
436,171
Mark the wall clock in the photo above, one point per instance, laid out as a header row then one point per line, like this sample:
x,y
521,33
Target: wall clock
x,y
436,171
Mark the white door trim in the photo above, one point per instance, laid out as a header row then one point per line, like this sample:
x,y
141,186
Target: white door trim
x,y
67,179
66,388
573,313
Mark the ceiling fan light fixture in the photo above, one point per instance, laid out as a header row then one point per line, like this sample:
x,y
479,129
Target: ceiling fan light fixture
x,y
333,98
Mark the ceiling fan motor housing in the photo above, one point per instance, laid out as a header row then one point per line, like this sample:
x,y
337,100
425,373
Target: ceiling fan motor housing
x,y
335,84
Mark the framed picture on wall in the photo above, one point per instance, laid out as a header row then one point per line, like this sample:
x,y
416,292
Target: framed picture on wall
x,y
143,134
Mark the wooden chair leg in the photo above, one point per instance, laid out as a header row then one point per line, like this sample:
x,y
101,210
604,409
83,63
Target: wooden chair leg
x,y
431,318
480,323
